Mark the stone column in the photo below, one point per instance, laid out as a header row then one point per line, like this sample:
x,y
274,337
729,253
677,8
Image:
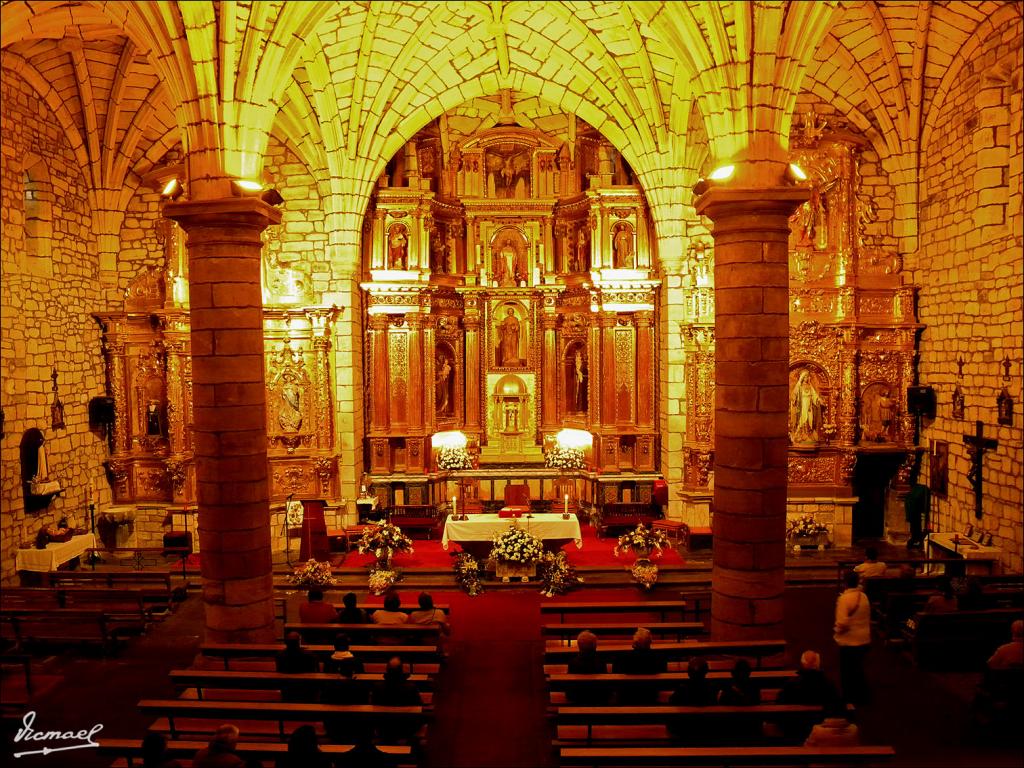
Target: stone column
x,y
549,377
751,231
229,391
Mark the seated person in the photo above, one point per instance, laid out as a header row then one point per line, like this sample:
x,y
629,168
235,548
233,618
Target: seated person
x,y
304,751
391,613
587,662
741,691
641,660
365,754
428,614
1010,655
315,610
835,730
973,597
871,568
344,691
941,603
221,751
294,659
396,691
342,661
154,752
695,691
351,613
810,686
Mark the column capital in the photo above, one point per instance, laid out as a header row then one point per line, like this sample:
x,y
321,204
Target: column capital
x,y
730,207
225,218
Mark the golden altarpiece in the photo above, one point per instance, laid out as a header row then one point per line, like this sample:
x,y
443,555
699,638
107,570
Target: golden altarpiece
x,y
509,293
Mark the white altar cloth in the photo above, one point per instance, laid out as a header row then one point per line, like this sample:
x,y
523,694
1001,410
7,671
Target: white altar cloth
x,y
483,527
55,554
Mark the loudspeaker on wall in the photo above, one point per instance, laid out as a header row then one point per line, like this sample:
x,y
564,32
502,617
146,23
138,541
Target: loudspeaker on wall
x,y
921,401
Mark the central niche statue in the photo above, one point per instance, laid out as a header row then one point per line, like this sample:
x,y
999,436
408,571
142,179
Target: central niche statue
x,y
805,411
508,340
289,415
508,265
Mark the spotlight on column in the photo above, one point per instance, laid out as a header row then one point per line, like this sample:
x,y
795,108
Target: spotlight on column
x,y
271,197
795,174
722,173
701,187
172,190
246,188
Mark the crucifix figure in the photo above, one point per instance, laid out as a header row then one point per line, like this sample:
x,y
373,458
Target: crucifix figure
x,y
976,447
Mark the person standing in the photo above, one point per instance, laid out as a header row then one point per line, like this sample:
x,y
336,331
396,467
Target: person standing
x,y
853,636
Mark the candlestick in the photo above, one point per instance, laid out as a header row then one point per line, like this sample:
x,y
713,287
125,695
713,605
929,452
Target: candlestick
x,y
455,508
565,509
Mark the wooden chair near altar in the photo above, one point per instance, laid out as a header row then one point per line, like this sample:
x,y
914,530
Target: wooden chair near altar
x,y
517,500
469,496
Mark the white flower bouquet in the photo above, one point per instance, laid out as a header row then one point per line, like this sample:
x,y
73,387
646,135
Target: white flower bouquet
x,y
383,541
643,541
515,545
313,574
557,574
645,573
382,579
565,458
805,525
451,458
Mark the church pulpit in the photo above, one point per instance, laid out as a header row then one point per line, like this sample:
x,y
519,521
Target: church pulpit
x,y
314,531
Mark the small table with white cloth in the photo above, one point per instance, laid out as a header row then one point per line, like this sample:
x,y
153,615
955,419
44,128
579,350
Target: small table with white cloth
x,y
965,557
55,554
475,534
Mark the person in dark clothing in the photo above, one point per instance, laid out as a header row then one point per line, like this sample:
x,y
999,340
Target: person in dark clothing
x,y
810,686
304,751
351,613
695,691
587,662
396,691
365,755
344,691
154,752
741,691
220,753
294,659
641,660
342,661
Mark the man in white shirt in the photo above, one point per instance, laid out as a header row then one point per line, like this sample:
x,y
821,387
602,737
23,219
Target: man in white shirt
x,y
871,568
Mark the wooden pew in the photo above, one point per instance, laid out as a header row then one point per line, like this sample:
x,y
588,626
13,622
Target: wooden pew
x,y
181,715
669,757
567,632
445,608
130,751
27,626
12,598
961,640
753,649
211,679
559,683
414,517
175,587
410,634
422,658
663,608
646,724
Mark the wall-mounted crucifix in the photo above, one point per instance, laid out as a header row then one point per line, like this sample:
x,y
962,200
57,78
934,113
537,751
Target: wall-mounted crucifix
x,y
977,444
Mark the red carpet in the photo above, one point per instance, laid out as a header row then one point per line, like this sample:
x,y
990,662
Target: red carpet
x,y
595,552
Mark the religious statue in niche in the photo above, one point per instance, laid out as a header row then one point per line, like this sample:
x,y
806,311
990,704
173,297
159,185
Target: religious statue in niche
x,y
582,250
1004,402
811,223
580,377
289,414
398,247
439,251
511,417
575,379
508,267
958,403
56,407
878,413
806,411
622,247
443,384
508,171
569,253
509,334
153,426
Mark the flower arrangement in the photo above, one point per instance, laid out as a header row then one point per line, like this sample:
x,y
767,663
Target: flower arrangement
x,y
384,540
382,579
643,541
467,573
805,525
515,545
450,458
313,574
645,573
557,575
560,457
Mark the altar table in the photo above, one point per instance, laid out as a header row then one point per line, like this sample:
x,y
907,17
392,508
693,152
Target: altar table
x,y
55,554
980,559
481,529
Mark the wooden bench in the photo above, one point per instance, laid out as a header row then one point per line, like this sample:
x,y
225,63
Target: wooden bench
x,y
619,515
189,716
669,757
137,558
567,632
423,658
410,634
963,640
27,626
176,588
559,683
414,517
647,724
663,608
200,680
130,751
753,649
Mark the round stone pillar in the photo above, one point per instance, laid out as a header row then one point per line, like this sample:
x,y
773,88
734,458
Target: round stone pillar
x,y
229,421
751,231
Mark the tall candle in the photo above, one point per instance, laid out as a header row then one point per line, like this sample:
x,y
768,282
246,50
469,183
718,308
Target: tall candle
x,y
455,507
566,509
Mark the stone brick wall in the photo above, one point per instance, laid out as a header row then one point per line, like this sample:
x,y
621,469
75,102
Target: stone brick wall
x,y
969,265
46,321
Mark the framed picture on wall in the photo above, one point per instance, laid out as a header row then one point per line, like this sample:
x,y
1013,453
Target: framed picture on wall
x,y
938,467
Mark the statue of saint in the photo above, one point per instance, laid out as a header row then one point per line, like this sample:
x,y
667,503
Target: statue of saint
x,y
582,251
508,339
153,418
622,247
441,384
805,410
398,248
508,267
289,415
511,416
581,382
